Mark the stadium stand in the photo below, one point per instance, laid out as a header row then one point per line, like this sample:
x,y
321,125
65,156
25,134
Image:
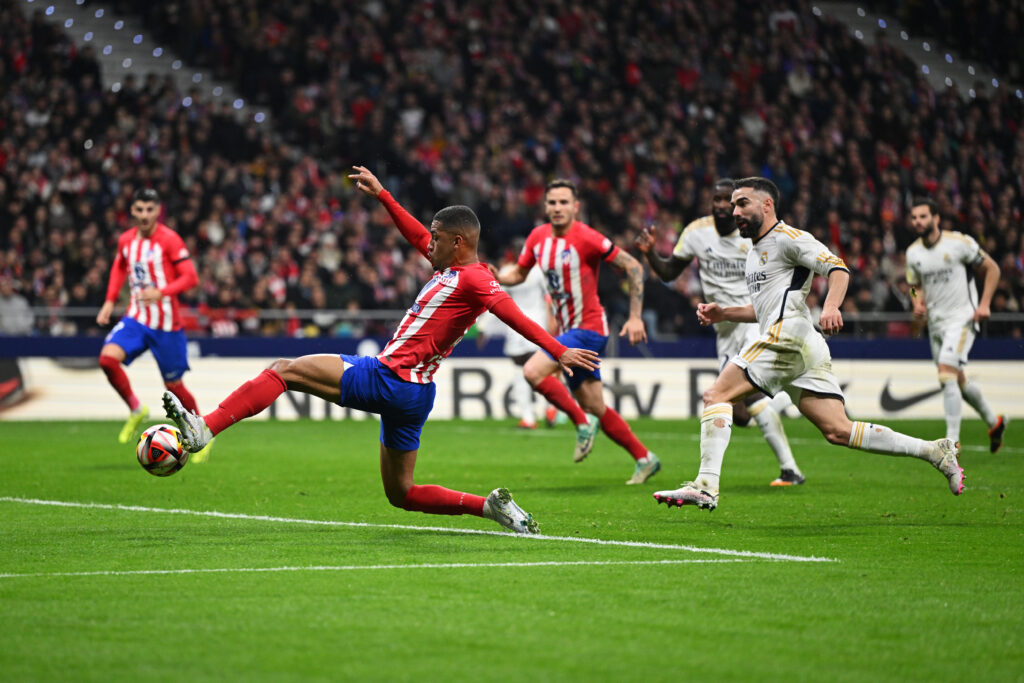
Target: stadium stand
x,y
642,104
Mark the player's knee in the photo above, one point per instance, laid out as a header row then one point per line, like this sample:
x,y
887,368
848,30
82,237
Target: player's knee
x,y
108,362
533,375
711,397
839,436
396,496
282,366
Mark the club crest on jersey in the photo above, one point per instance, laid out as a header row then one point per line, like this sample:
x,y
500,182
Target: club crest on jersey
x,y
566,255
945,257
764,257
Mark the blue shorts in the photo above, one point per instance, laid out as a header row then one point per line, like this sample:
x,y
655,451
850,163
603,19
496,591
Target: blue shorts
x,y
582,339
169,348
403,406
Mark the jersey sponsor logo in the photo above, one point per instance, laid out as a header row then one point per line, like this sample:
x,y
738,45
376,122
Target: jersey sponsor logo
x,y
495,287
415,308
141,273
893,404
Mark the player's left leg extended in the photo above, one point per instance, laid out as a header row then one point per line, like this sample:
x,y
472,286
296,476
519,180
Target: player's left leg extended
x,y
828,414
397,465
188,402
590,394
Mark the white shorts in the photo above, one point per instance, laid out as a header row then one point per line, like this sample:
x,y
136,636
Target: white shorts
x,y
517,345
951,343
791,356
732,339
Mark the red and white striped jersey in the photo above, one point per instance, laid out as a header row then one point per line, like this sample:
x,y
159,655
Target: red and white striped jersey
x,y
444,310
150,262
570,263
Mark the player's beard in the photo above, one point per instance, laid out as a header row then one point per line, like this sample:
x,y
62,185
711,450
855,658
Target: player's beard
x,y
750,227
724,222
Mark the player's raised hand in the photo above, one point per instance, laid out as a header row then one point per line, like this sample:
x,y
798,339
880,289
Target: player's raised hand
x,y
831,320
366,182
578,358
634,330
709,314
645,239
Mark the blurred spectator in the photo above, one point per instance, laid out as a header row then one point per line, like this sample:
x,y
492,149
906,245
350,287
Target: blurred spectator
x,y
15,312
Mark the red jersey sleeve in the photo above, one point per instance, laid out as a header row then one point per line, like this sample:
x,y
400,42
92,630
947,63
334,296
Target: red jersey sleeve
x,y
186,278
600,244
118,271
527,259
412,230
486,289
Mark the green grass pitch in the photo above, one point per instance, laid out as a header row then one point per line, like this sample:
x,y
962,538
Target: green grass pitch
x,y
921,585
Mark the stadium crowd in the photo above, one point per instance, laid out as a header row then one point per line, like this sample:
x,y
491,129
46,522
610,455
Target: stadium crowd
x,y
642,104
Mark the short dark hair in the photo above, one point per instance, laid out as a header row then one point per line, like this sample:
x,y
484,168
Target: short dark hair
x,y
933,207
761,185
725,183
459,219
146,194
562,182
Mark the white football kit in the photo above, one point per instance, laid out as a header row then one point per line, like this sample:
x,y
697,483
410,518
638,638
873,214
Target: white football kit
x,y
790,354
949,292
722,261
530,296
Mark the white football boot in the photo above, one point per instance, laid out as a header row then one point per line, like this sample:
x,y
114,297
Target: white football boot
x,y
949,465
195,435
500,507
690,493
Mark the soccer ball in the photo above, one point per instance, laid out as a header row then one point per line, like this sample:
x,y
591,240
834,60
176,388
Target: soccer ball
x,y
160,451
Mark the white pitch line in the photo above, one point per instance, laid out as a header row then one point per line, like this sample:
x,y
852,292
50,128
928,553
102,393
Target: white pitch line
x,y
357,567
410,527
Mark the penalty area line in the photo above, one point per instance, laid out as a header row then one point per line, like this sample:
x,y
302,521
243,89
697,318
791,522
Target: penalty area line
x,y
368,567
410,527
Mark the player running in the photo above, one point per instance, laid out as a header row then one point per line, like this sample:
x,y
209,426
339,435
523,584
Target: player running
x,y
570,253
790,354
398,383
158,268
944,291
722,253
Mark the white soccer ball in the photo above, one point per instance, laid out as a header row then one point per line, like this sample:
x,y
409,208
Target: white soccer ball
x,y
160,450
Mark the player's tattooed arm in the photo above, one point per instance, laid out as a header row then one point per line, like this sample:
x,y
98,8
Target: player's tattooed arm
x,y
634,327
666,269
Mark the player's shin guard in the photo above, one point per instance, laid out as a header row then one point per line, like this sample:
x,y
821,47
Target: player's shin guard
x,y
715,431
247,400
618,431
971,393
771,426
119,380
865,436
437,500
953,405
184,395
558,395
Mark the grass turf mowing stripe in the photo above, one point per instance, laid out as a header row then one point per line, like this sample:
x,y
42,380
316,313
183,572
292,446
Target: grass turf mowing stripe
x,y
356,567
410,527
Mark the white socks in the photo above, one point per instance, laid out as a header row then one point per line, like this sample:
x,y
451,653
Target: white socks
x,y
768,420
780,402
715,431
972,394
522,395
865,436
954,407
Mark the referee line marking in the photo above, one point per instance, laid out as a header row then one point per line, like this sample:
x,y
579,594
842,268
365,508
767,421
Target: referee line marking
x,y
357,567
409,527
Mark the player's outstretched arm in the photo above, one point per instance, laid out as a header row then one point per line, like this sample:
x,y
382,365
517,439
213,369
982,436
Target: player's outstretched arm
x,y
412,230
831,318
510,314
709,314
578,358
989,270
633,329
666,269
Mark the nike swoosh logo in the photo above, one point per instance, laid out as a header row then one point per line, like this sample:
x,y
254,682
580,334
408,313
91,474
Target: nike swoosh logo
x,y
891,404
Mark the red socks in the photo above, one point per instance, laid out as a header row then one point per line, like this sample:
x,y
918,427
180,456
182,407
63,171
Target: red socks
x,y
618,431
558,395
437,500
119,380
184,395
247,400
